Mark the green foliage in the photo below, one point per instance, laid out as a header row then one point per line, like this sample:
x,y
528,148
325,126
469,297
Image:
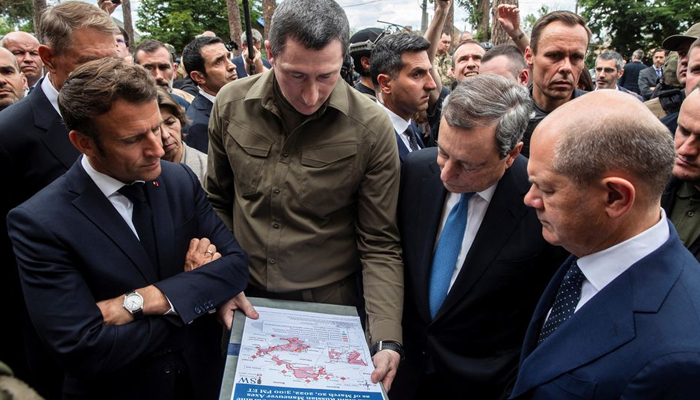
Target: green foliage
x,y
631,24
16,12
530,19
178,21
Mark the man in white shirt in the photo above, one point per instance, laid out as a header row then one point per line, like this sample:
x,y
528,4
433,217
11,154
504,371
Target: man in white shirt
x,y
620,318
400,70
465,315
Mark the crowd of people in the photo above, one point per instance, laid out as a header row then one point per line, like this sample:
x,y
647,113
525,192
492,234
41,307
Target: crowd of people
x,y
528,231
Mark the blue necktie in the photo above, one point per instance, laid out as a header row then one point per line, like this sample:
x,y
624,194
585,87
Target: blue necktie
x,y
565,302
446,253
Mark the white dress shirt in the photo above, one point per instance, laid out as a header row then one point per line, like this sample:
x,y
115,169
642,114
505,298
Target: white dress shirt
x,y
207,96
477,206
50,92
400,125
603,267
110,188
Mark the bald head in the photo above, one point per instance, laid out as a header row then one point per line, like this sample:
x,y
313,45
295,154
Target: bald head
x,y
624,137
25,48
12,82
597,182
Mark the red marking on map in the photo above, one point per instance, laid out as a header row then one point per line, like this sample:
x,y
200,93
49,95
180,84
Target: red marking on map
x,y
277,360
293,345
334,355
354,358
308,372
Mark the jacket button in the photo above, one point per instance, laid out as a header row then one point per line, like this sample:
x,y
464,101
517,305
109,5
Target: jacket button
x,y
167,369
273,261
198,310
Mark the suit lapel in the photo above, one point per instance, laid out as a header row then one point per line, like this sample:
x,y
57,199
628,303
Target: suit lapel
x,y
92,203
164,231
431,199
503,215
56,137
604,323
403,150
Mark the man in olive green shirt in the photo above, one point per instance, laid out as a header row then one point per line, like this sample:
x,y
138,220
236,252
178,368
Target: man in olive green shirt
x,y
305,171
681,199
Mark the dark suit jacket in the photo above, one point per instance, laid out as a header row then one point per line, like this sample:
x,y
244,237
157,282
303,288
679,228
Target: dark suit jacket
x,y
636,339
668,199
647,79
34,150
403,150
475,340
198,131
630,78
240,65
74,249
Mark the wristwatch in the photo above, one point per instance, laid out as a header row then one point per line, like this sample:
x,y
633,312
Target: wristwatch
x,y
388,345
133,303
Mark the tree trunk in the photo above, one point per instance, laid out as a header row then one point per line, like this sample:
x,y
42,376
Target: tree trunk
x,y
498,35
128,24
268,8
39,6
234,22
484,6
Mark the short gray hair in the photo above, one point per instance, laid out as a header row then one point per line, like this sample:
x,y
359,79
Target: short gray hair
x,y
490,99
638,54
639,145
612,55
313,23
257,36
58,23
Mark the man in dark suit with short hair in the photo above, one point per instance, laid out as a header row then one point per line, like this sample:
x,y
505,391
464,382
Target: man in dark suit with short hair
x,y
208,62
630,79
35,150
465,317
110,256
621,318
261,64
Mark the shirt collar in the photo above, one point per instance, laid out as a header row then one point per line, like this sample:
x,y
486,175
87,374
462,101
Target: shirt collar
x,y
50,92
399,123
107,185
487,194
603,267
207,95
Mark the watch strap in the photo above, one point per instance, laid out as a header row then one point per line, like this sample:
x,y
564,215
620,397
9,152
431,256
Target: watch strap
x,y
388,345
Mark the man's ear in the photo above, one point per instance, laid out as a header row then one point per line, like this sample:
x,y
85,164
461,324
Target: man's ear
x,y
524,77
84,143
47,57
270,56
620,196
528,56
510,157
365,63
384,81
198,78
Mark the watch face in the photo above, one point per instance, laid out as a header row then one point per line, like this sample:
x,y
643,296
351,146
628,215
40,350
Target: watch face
x,y
133,302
